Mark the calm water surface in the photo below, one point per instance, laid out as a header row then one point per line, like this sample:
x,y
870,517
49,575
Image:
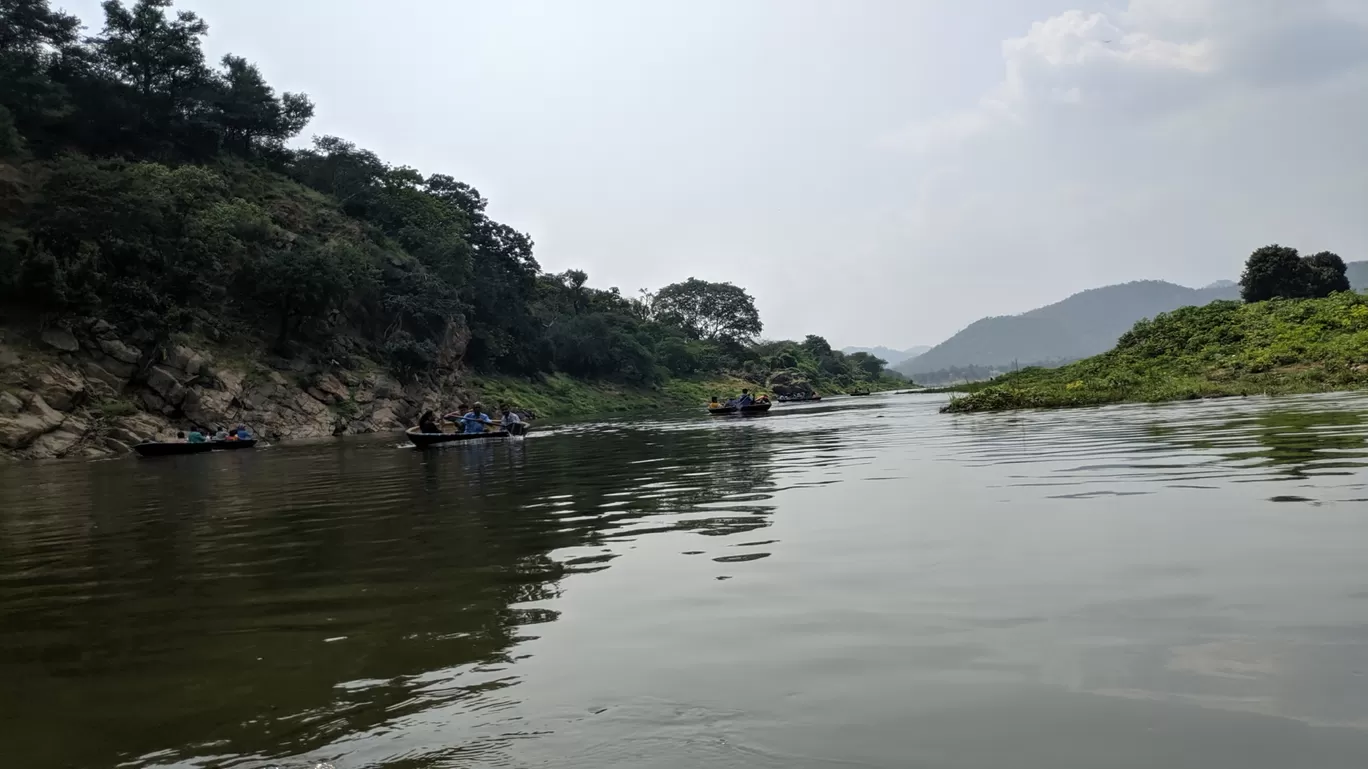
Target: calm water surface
x,y
857,584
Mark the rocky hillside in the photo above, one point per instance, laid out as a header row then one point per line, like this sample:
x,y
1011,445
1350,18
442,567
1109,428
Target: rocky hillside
x,y
87,392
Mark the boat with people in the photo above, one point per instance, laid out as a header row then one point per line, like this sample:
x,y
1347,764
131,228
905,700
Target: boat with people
x,y
744,405
813,398
752,408
199,441
859,393
467,423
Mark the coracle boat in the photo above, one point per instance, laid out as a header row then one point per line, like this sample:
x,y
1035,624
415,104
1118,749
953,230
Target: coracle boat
x,y
154,449
754,408
436,440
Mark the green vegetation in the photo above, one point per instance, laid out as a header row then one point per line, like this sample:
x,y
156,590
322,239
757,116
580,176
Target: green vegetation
x,y
1222,349
143,186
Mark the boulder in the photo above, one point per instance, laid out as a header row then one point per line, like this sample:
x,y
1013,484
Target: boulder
x,y
140,427
10,404
60,339
125,436
120,351
185,359
208,407
328,389
102,330
60,441
117,446
8,358
165,384
18,431
151,401
61,387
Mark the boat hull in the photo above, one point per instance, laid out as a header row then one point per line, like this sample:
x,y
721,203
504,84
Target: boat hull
x,y
437,440
755,408
180,449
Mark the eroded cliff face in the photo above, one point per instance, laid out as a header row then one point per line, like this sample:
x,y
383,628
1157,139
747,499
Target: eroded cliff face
x,y
85,392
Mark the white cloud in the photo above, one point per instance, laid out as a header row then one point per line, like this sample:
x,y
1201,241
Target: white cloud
x,y
1154,57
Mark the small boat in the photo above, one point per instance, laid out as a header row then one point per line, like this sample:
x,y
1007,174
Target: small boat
x,y
428,440
154,449
754,408
860,394
799,399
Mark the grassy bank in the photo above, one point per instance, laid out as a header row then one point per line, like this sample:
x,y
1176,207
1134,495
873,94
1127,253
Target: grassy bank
x,y
1222,349
563,397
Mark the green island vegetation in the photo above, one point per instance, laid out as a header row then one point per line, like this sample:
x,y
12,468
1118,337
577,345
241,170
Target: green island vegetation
x,y
146,190
1300,329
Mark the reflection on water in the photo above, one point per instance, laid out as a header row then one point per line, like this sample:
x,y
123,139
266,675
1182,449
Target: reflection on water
x,y
860,583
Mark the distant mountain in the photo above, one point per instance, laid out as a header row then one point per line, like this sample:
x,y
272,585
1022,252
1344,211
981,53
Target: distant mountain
x,y
1085,324
1358,275
894,357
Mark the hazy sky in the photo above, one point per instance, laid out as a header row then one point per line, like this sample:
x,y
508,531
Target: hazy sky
x,y
877,171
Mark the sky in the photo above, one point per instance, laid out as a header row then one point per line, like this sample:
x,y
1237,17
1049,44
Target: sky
x,y
880,172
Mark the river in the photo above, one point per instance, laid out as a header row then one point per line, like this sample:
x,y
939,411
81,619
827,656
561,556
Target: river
x,y
857,583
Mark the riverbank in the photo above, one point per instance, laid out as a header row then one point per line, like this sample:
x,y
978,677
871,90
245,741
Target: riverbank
x,y
90,392
1224,349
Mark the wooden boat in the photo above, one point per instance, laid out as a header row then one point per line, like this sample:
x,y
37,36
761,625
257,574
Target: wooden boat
x,y
153,449
754,408
429,440
860,394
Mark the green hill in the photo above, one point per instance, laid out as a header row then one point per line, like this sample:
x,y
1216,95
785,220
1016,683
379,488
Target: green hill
x,y
891,356
1221,349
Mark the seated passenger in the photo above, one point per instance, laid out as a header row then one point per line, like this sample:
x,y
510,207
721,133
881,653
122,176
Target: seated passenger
x,y
476,420
428,423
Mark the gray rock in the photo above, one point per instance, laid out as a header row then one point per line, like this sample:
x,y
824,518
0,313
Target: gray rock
x,y
62,388
165,384
60,339
8,358
59,442
117,446
151,401
125,436
18,431
329,390
10,403
102,329
187,360
120,351
118,368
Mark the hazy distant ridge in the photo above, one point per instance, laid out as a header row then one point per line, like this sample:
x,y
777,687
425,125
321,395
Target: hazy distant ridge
x,y
894,357
1085,324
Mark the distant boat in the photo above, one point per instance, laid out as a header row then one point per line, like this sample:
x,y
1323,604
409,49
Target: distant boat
x,y
429,440
800,398
754,408
156,449
859,393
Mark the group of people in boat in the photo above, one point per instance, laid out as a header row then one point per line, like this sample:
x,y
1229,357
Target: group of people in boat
x,y
470,419
197,434
745,399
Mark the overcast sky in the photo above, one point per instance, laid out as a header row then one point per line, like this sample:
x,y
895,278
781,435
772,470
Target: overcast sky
x,y
876,171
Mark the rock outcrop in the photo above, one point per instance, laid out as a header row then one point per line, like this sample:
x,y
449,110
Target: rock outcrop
x,y
87,392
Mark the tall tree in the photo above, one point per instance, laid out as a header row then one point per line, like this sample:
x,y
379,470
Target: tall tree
x,y
1272,271
1325,274
713,311
249,111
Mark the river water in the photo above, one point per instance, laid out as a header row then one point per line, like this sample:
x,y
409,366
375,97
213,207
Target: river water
x,y
858,583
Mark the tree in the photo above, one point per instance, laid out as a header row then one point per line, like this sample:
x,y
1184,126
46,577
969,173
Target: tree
x,y
1272,271
871,365
1278,272
1325,274
249,112
712,311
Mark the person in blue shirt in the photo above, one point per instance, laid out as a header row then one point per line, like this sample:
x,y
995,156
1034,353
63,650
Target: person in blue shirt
x,y
746,398
195,436
476,420
242,433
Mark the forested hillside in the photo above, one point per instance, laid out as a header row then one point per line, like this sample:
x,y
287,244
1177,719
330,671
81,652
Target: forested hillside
x,y
154,192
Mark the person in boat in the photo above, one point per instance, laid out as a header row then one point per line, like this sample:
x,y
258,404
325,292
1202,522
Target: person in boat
x,y
476,420
180,436
428,423
746,398
221,434
195,436
763,398
242,433
508,416
456,416
714,404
